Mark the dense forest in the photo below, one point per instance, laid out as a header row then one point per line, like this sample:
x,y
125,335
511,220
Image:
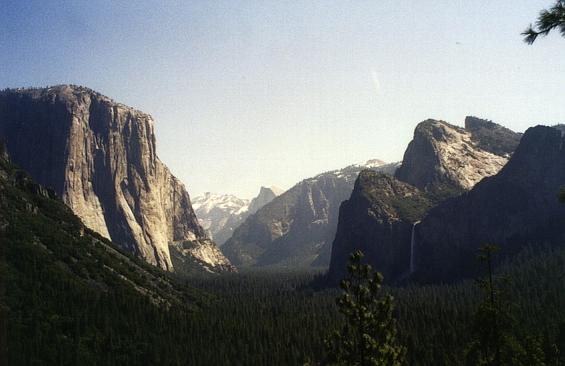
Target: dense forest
x,y
69,297
260,319
278,319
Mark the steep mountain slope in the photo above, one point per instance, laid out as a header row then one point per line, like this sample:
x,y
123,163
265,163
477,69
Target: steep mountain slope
x,y
446,160
514,208
297,227
382,215
100,157
378,219
33,217
62,285
220,214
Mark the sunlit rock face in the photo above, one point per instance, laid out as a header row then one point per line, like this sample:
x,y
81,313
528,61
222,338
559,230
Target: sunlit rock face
x,y
100,157
442,161
296,229
517,207
446,160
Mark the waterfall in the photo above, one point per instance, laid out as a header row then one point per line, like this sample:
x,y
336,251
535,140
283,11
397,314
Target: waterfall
x,y
412,244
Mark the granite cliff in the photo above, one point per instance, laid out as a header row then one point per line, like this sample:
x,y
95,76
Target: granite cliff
x,y
40,234
100,157
382,215
445,160
378,219
296,228
517,207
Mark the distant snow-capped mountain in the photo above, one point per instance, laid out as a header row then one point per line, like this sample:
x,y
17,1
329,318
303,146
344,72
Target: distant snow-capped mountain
x,y
220,214
297,228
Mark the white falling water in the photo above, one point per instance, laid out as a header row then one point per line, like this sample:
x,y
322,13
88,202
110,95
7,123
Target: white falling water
x,y
412,245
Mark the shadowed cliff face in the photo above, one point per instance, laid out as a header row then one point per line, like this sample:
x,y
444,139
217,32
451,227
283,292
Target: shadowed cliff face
x,y
514,208
442,161
492,137
291,229
377,219
296,228
100,158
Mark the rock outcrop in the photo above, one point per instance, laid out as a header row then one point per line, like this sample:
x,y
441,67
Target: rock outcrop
x,y
442,161
221,214
100,157
296,228
446,160
515,208
378,219
265,196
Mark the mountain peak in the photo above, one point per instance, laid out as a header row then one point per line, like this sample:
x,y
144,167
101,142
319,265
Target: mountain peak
x,y
447,159
373,163
474,123
265,196
296,228
377,219
517,207
274,189
72,96
220,214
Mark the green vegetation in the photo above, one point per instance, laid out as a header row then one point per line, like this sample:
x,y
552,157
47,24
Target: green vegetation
x,y
493,327
548,20
439,192
69,297
277,319
369,336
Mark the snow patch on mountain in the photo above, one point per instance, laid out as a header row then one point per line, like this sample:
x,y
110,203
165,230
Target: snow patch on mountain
x,y
220,214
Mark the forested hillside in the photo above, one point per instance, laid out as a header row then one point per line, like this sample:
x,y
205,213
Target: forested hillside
x,y
70,297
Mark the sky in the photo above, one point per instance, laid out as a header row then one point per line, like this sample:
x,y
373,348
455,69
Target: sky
x,y
252,93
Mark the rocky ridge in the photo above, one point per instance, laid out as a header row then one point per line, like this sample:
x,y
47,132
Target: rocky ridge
x,y
518,207
447,160
377,219
296,228
442,161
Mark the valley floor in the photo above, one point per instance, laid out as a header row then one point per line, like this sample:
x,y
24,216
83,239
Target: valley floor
x,y
276,319
271,319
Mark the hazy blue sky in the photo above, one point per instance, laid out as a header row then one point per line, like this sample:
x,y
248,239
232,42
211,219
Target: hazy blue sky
x,y
250,93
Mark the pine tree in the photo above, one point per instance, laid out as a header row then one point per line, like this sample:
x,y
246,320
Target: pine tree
x,y
547,21
494,343
369,335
